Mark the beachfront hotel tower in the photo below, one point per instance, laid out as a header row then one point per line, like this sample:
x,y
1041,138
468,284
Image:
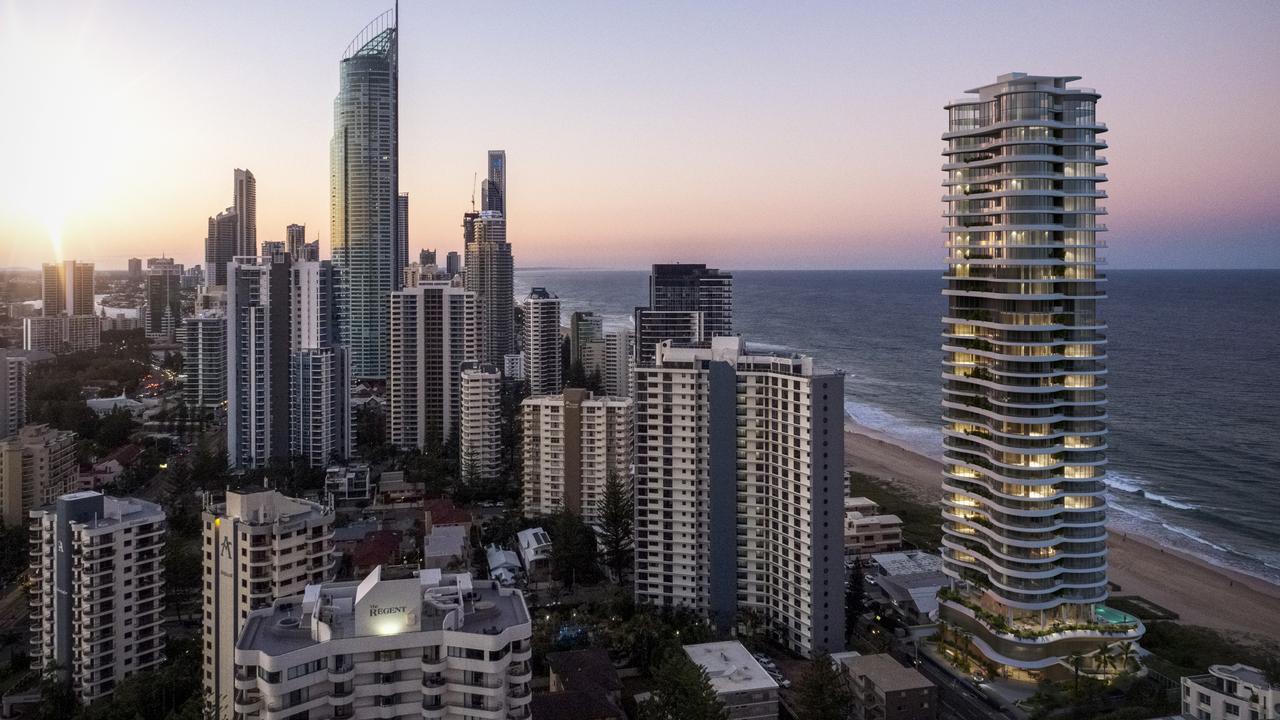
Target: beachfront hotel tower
x,y
1024,377
364,190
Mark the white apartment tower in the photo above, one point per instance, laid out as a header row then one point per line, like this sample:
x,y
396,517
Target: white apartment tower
x,y
13,393
37,464
429,645
739,489
571,444
258,546
1024,402
480,433
619,349
433,333
540,341
204,352
97,590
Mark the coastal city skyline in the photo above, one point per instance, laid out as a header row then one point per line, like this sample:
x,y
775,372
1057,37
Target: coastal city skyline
x,y
675,108
355,467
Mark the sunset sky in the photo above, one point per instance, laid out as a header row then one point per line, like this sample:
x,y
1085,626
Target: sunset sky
x,y
741,134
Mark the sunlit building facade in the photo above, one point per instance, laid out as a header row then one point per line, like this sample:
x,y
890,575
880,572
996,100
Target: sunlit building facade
x,y
1025,378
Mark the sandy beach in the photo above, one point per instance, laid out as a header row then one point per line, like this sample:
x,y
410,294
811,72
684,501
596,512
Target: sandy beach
x,y
1201,594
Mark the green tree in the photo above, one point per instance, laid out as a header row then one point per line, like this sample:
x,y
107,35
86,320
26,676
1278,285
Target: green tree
x,y
855,601
682,692
616,512
822,692
114,430
573,550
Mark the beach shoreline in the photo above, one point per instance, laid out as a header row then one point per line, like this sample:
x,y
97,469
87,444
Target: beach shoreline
x,y
1190,586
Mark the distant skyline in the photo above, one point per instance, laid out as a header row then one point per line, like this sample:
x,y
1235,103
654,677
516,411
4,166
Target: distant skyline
x,y
743,135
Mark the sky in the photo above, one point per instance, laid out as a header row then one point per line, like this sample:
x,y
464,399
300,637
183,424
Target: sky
x,y
741,134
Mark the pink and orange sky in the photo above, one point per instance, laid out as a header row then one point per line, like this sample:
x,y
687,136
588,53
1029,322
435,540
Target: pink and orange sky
x,y
742,134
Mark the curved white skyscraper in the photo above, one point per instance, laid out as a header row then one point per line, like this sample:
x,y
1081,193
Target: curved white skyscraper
x,y
364,190
1025,377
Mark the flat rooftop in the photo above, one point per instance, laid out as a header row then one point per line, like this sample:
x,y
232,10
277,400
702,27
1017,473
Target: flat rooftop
x,y
730,666
901,563
885,673
290,624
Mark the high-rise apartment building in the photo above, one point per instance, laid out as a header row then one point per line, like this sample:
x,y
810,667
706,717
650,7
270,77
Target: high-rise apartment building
x,y
66,288
204,353
295,237
480,428
402,233
319,367
259,545
97,590
220,246
431,645
739,489
246,205
490,276
619,351
426,257
494,193
1024,404
162,312
364,190
688,305
540,341
135,268
258,353
433,333
13,393
271,248
62,333
453,264
571,444
36,465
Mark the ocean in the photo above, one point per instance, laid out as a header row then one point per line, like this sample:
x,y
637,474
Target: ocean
x,y
1194,361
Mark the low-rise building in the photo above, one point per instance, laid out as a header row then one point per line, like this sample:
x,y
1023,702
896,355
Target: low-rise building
x,y
349,483
534,546
376,548
445,548
867,531
442,511
910,581
1230,692
885,690
504,564
584,685
431,645
747,691
105,406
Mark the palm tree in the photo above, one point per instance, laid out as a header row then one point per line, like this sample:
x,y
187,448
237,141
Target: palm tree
x,y
1077,661
1103,660
1128,655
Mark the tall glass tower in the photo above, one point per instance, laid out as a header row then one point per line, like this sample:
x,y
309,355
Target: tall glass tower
x,y
364,189
1024,401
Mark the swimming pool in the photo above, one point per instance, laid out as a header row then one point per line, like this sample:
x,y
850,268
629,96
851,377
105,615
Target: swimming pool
x,y
1112,616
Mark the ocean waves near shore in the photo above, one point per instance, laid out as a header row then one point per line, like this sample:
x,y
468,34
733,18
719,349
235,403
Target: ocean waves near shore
x,y
1192,377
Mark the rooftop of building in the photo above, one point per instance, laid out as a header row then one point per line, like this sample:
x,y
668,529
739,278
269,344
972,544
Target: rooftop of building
x,y
115,512
445,541
1242,674
589,670
372,607
885,673
730,666
737,351
264,506
907,563
375,548
444,512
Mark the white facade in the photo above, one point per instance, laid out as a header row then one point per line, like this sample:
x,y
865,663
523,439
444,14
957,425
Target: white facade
x,y
319,367
1024,508
571,444
258,342
480,434
741,684
36,466
1230,692
619,352
427,646
204,353
59,334
258,545
433,333
97,590
739,489
540,343
349,483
